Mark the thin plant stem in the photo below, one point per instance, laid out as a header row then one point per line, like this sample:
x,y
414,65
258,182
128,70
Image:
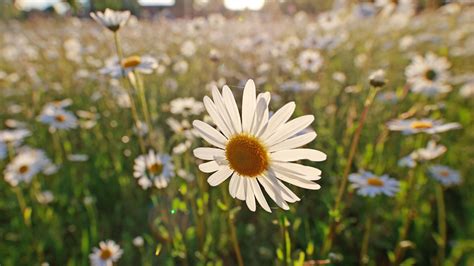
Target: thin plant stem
x,y
441,223
145,109
343,186
364,258
233,231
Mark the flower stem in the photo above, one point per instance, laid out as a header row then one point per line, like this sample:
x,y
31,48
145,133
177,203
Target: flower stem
x,y
364,258
235,241
342,188
441,223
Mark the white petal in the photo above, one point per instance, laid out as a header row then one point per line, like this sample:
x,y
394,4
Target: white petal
x,y
205,153
295,180
298,154
290,129
222,109
216,117
259,117
295,142
303,171
242,187
210,134
209,167
278,119
234,184
249,102
259,195
219,176
271,191
250,197
232,108
282,189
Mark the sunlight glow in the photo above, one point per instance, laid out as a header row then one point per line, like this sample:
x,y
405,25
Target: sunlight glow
x,y
244,4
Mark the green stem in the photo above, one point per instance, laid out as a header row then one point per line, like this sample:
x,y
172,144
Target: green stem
x,y
232,228
343,186
364,258
441,223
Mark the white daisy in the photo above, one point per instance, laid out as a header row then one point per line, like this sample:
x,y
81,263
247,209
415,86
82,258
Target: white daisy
x,y
138,241
368,184
113,20
26,164
445,175
407,161
428,75
424,125
467,90
142,64
256,150
188,48
186,106
14,136
310,60
377,78
107,253
153,169
58,118
432,151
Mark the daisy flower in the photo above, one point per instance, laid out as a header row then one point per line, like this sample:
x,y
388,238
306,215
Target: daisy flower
x,y
432,151
107,253
153,168
256,150
369,184
186,106
310,60
142,64
424,125
14,136
58,118
428,75
26,164
445,175
112,20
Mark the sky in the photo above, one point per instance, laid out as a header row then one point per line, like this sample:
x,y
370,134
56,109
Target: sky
x,y
230,4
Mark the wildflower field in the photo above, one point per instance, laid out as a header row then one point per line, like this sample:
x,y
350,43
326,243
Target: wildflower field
x,y
343,138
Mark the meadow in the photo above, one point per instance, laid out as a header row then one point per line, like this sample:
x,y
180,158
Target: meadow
x,y
99,139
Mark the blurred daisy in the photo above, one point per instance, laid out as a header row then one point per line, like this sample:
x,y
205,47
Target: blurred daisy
x,y
106,255
188,48
445,175
26,164
58,118
407,161
153,169
138,241
368,184
256,150
14,136
112,20
428,75
310,60
467,90
142,64
186,106
432,151
45,197
377,78
425,125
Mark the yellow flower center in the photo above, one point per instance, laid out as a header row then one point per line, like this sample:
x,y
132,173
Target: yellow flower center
x,y
375,182
421,124
105,254
247,155
60,118
23,169
444,173
155,168
131,61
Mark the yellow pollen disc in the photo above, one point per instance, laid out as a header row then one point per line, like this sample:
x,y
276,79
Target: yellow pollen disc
x,y
421,125
131,61
23,169
444,173
60,118
375,182
155,168
247,155
105,254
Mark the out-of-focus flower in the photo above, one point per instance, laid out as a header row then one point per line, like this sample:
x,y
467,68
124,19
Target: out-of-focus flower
x,y
106,255
111,19
78,157
26,164
138,241
141,64
182,147
407,161
186,106
377,78
188,48
153,169
425,125
467,90
256,150
445,175
45,197
369,184
188,176
432,151
310,60
58,118
14,136
428,75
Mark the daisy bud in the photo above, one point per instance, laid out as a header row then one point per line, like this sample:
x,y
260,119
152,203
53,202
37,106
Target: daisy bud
x,y
377,78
